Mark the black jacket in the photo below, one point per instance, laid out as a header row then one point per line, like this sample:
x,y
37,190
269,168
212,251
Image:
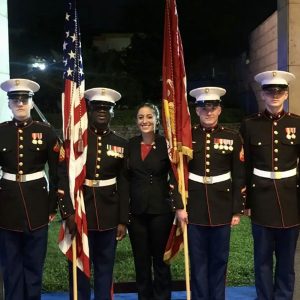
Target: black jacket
x,y
25,148
106,206
271,146
215,152
149,179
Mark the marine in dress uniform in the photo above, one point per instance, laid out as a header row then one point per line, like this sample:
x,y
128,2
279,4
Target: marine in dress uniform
x,y
215,200
106,194
272,144
28,202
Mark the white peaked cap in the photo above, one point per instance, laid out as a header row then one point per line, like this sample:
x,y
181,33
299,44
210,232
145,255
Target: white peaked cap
x,y
274,77
102,94
20,85
208,93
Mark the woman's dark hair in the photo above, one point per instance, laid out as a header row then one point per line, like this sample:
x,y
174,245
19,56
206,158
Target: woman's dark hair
x,y
153,107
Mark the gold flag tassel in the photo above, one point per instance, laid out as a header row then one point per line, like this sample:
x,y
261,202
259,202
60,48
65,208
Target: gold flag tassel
x,y
67,133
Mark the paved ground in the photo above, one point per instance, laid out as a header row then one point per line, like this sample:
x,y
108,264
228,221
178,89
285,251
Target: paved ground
x,y
232,293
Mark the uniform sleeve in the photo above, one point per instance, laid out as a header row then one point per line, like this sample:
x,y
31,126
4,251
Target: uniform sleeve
x,y
176,199
63,188
123,188
53,157
238,175
248,161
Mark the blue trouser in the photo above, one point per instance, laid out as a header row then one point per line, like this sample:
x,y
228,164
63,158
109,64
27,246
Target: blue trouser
x,y
209,251
22,258
102,245
283,242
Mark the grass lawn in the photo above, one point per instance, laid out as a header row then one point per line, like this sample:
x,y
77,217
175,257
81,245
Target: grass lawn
x,y
240,269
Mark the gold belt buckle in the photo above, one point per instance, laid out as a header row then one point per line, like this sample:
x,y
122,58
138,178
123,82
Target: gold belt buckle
x,y
20,178
207,180
91,182
95,182
277,175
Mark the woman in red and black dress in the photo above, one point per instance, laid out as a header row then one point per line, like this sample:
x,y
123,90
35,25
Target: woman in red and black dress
x,y
151,213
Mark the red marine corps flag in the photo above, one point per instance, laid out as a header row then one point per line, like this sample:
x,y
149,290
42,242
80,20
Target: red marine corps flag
x,y
176,119
75,136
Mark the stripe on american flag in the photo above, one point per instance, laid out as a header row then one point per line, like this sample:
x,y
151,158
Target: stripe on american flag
x,y
75,125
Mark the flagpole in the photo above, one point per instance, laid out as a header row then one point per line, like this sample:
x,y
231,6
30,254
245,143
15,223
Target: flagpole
x,y
185,234
74,263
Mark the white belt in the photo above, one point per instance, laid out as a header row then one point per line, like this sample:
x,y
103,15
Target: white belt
x,y
23,177
99,183
275,175
210,179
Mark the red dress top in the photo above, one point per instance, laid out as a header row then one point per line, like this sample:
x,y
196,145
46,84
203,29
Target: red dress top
x,y
145,149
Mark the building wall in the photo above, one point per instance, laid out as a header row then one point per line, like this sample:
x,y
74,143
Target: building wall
x,y
263,51
4,60
289,47
112,41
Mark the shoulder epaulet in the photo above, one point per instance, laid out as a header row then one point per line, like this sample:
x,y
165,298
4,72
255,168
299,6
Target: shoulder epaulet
x,y
119,136
253,116
42,123
293,115
4,123
229,129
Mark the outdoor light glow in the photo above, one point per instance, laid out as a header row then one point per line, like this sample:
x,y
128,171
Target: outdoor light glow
x,y
37,65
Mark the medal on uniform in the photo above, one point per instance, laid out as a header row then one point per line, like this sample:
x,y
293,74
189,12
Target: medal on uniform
x,y
293,131
108,152
115,151
221,144
118,151
34,137
230,145
216,143
226,142
39,136
288,133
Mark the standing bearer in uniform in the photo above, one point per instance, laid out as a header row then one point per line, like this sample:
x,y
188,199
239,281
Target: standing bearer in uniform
x,y
216,178
106,193
272,150
26,204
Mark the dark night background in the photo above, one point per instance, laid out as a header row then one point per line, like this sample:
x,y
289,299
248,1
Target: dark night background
x,y
214,35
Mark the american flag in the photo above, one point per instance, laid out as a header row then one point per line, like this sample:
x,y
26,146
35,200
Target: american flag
x,y
176,116
75,136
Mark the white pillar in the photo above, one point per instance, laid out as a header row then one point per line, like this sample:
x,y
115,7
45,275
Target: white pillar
x,y
5,113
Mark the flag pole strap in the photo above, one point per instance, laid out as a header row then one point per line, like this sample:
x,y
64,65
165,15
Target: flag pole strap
x,y
75,294
185,235
41,115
